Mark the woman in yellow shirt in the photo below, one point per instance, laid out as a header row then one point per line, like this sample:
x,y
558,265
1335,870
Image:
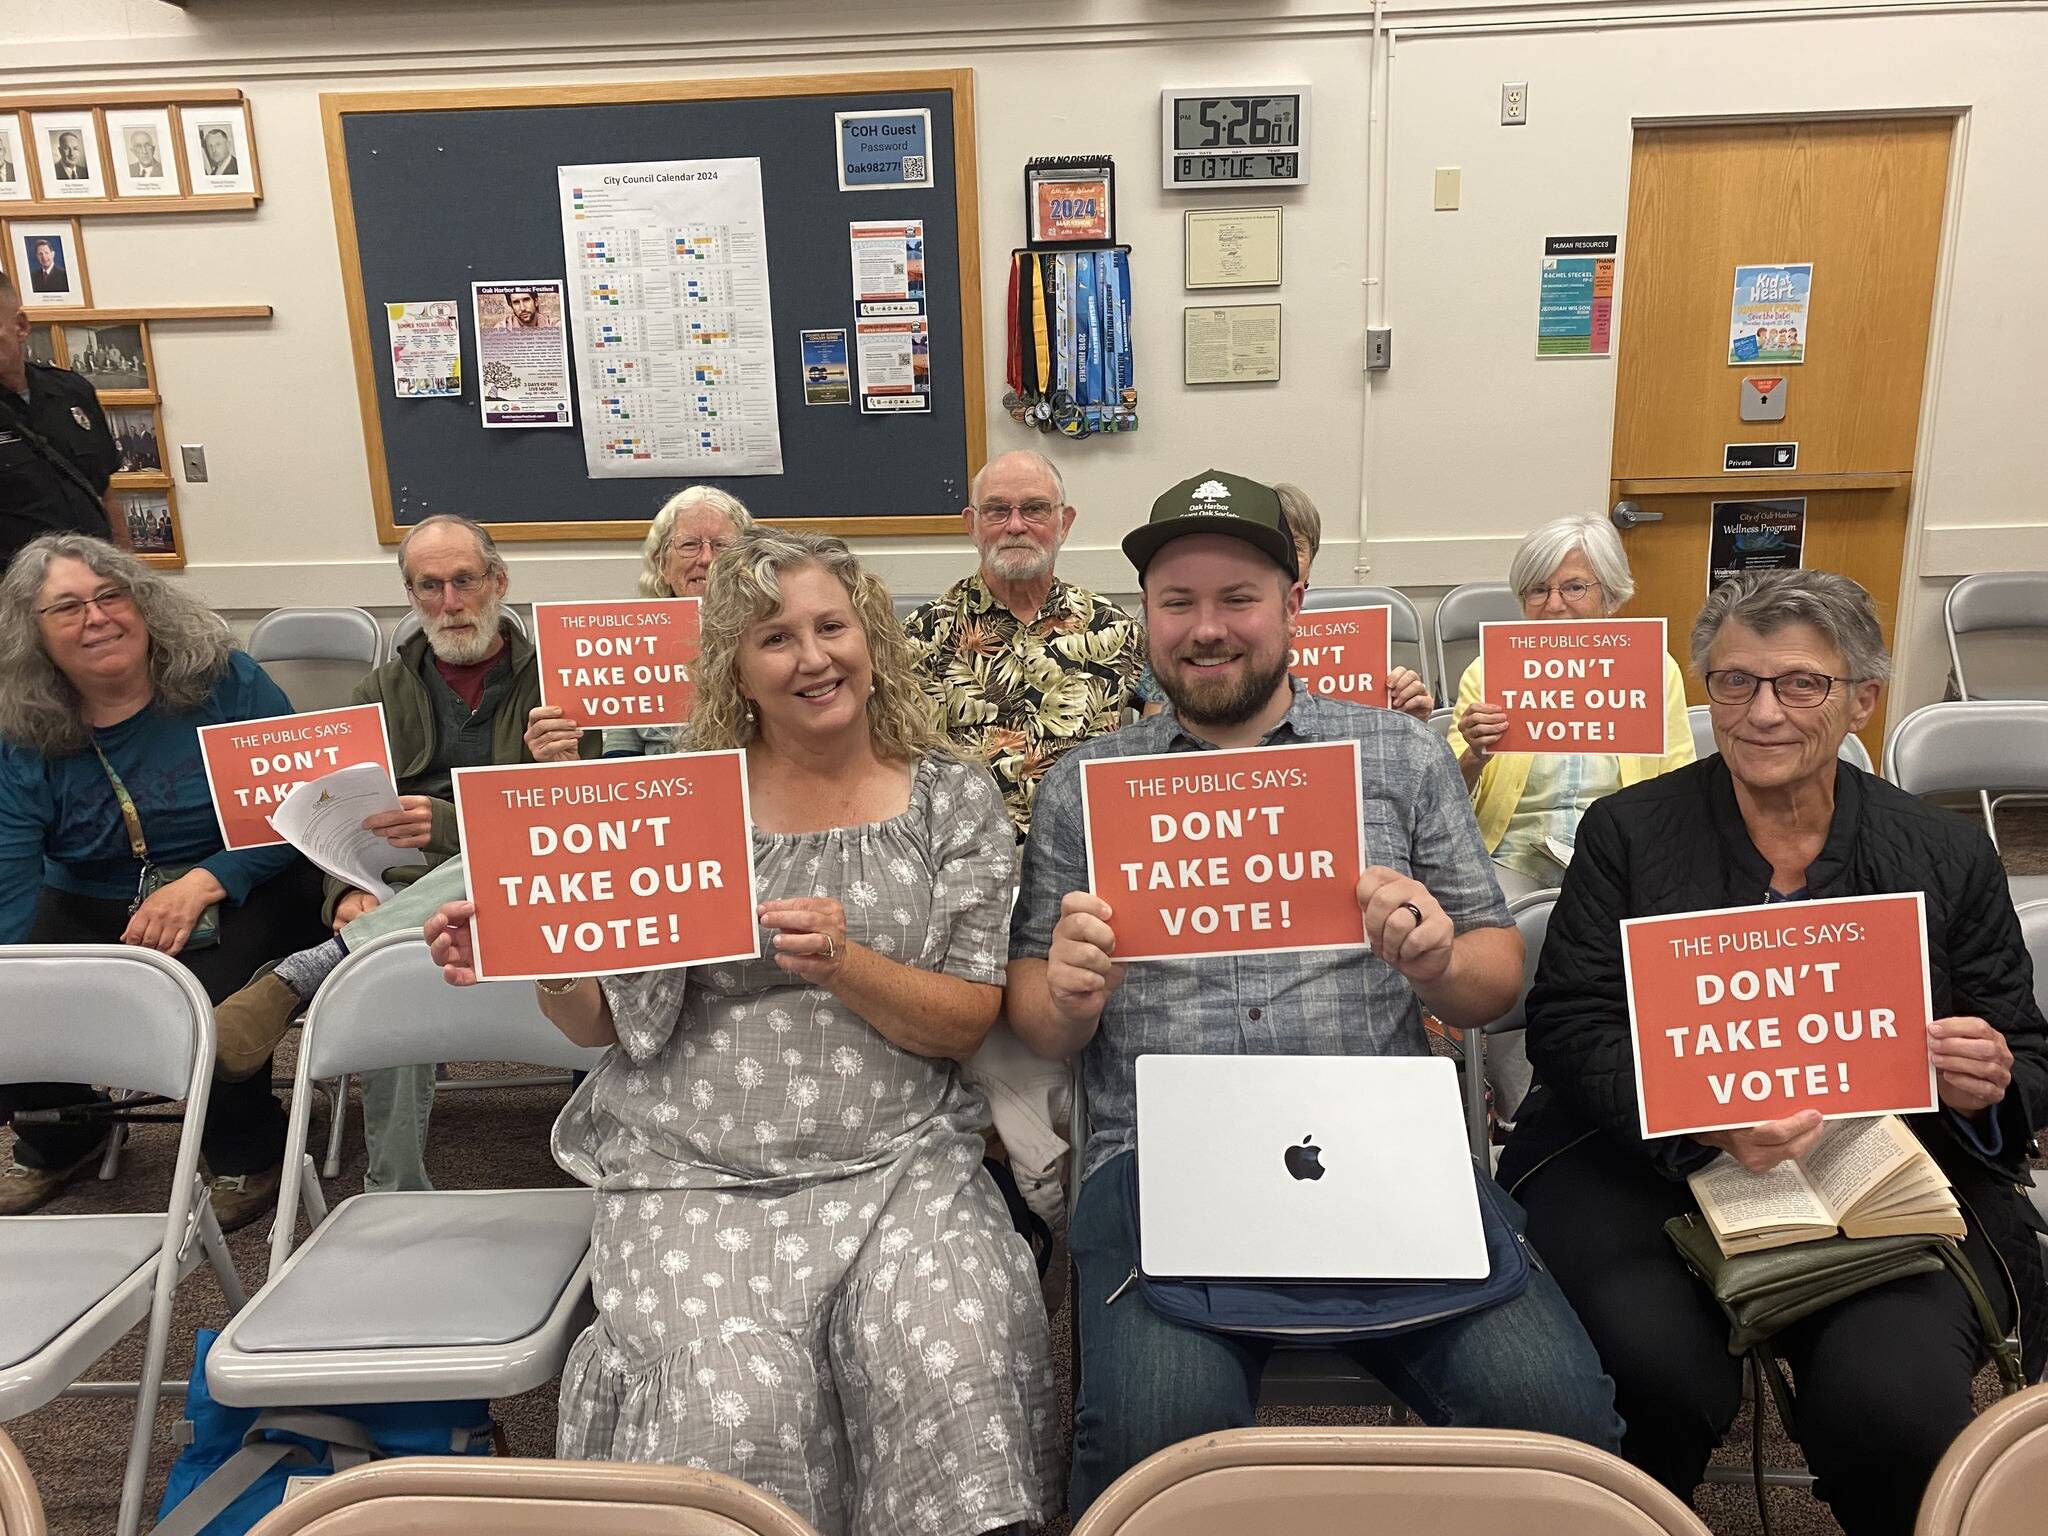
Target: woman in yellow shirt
x,y
1528,805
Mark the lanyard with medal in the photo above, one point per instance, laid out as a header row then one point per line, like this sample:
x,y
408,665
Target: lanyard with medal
x,y
1069,362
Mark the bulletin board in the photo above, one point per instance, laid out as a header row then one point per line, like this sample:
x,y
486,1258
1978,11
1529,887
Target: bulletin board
x,y
435,190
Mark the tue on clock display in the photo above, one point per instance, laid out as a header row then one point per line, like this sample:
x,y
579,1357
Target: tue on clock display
x,y
1254,136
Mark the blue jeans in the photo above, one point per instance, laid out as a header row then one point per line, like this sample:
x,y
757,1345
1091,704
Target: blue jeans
x,y
1147,1383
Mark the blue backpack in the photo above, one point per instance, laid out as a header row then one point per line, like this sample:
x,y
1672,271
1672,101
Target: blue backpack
x,y
236,1462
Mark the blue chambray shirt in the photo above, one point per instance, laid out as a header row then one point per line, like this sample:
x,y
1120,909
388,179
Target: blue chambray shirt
x,y
1418,819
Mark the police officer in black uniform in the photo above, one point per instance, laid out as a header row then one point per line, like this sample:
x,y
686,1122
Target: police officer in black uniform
x,y
55,450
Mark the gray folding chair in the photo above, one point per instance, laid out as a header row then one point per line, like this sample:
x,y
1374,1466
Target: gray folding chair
x,y
413,1296
1441,721
2034,929
72,1287
2008,613
1456,627
1700,718
317,655
408,625
1982,746
1404,629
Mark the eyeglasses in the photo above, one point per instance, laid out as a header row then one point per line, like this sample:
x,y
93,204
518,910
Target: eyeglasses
x,y
1036,513
690,549
110,601
1795,690
467,584
1570,591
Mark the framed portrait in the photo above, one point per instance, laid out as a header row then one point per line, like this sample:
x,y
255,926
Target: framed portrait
x,y
151,512
48,260
138,439
42,345
220,154
113,357
142,152
68,159
14,183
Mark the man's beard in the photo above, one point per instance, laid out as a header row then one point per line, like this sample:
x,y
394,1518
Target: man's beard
x,y
1219,702
1020,560
467,648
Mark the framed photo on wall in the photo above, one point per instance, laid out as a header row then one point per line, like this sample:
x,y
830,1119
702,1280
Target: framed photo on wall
x,y
150,508
220,153
142,151
113,357
68,158
138,439
15,186
47,257
42,345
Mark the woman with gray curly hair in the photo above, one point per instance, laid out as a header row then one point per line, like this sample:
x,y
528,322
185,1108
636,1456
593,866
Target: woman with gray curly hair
x,y
803,1275
108,834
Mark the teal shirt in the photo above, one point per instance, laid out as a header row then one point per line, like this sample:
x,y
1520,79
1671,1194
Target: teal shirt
x,y
60,825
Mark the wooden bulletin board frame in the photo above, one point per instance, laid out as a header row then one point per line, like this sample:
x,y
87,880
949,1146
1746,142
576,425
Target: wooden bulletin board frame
x,y
337,107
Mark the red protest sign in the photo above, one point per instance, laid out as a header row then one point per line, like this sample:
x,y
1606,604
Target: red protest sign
x,y
1248,852
622,864
1577,685
251,765
1344,653
618,663
1755,1013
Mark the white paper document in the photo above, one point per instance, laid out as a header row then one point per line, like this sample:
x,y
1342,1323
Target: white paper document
x,y
668,304
323,819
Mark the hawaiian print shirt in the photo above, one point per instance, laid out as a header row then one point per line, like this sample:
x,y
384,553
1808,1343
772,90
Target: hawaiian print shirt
x,y
1021,694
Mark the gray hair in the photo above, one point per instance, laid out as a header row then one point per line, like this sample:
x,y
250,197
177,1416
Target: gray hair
x,y
1767,601
189,646
1303,520
652,550
1546,548
494,563
1038,461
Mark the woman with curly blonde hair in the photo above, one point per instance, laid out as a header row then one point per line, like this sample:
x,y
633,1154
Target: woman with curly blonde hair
x,y
803,1276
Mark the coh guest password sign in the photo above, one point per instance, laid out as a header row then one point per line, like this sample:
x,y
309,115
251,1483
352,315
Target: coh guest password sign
x,y
1577,685
1253,851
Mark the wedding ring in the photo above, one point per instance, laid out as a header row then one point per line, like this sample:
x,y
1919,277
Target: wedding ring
x,y
831,951
1413,911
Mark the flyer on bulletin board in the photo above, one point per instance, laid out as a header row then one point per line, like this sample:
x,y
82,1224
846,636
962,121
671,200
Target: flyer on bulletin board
x,y
426,348
522,354
1575,304
1768,315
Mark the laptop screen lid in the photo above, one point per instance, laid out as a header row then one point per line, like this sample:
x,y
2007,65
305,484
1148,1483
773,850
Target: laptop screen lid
x,y
1299,1168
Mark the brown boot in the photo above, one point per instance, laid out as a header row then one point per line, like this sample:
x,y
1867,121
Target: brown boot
x,y
24,1189
239,1198
248,1025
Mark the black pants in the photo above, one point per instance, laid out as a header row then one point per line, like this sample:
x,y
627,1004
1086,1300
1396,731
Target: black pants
x,y
244,1130
1882,1379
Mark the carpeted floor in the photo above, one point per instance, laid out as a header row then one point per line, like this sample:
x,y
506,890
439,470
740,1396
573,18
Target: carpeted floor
x,y
498,1138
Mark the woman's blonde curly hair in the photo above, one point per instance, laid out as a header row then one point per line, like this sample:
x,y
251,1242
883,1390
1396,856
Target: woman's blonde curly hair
x,y
745,587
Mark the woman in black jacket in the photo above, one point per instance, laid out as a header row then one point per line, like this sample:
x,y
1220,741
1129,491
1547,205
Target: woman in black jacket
x,y
1793,661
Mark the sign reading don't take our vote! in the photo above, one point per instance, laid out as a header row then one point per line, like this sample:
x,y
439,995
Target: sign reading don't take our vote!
x,y
1253,851
1751,1014
252,765
1343,653
623,663
597,868
1577,685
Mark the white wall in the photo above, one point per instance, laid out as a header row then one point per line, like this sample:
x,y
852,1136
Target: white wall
x,y
1462,445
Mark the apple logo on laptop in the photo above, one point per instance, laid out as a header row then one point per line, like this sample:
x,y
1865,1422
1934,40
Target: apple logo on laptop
x,y
1306,1160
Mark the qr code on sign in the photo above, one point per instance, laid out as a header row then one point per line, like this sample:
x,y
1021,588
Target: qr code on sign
x,y
913,168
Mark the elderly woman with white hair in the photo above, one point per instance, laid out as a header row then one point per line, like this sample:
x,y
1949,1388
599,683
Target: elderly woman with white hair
x,y
1528,805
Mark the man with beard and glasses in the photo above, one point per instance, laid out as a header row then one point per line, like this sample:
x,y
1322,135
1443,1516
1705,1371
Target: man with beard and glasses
x,y
1222,589
456,696
1022,665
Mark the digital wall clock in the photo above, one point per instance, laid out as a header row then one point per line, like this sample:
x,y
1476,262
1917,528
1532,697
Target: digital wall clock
x,y
1247,137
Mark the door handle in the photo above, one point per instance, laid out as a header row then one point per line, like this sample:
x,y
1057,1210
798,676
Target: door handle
x,y
1627,514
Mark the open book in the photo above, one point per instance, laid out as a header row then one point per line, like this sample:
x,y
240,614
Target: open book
x,y
1865,1178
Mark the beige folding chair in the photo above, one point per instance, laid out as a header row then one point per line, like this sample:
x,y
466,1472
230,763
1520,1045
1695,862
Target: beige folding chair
x,y
1337,1482
317,655
1455,627
72,1287
1997,749
1994,1479
21,1511
463,1495
1404,628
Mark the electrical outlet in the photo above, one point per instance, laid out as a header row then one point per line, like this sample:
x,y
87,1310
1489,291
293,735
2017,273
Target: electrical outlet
x,y
1514,104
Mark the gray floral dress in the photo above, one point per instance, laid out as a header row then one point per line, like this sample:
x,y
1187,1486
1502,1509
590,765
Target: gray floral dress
x,y
803,1277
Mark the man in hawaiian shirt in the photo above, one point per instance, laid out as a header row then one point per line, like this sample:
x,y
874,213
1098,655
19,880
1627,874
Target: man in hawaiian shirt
x,y
1023,665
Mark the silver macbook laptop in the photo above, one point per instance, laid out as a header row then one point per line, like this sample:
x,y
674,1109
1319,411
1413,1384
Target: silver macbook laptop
x,y
1305,1168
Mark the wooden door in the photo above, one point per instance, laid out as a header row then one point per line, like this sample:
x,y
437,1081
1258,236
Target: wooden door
x,y
1862,201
